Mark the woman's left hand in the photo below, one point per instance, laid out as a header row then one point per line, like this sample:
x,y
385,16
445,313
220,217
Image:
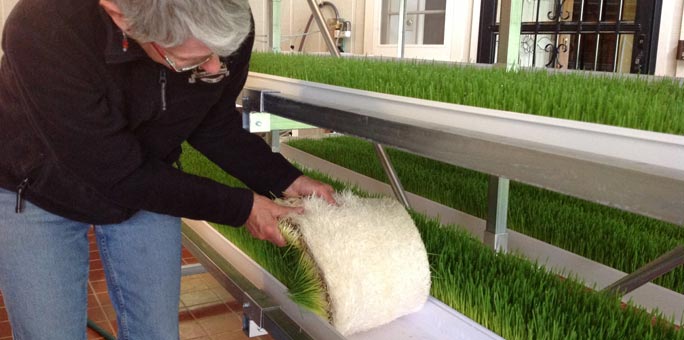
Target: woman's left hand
x,y
306,186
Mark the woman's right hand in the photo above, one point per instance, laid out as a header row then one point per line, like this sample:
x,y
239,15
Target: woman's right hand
x,y
262,222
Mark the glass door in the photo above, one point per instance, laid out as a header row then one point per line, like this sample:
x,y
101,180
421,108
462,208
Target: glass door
x,y
427,27
424,23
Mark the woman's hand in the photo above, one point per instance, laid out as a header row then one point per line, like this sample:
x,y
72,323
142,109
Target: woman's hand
x,y
305,186
262,222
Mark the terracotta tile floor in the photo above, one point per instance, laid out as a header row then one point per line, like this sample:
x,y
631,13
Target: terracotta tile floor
x,y
207,311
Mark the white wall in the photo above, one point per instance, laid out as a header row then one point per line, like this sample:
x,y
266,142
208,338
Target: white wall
x,y
671,31
5,8
466,29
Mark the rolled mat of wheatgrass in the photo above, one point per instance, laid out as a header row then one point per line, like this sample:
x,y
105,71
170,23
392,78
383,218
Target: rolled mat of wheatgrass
x,y
369,255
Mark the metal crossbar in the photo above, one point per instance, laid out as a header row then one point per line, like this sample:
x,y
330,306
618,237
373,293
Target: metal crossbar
x,y
632,170
649,272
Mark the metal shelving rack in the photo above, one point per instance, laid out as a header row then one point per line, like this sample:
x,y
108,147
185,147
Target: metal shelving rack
x,y
585,160
632,170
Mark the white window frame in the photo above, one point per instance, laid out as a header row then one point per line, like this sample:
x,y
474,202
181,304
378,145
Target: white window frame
x,y
460,34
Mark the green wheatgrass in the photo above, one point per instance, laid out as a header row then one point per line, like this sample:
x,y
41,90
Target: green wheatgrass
x,y
643,103
616,238
503,292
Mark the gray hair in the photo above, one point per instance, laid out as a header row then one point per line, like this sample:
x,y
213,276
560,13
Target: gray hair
x,y
220,24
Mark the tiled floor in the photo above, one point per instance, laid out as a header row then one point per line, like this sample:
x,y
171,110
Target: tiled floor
x,y
207,311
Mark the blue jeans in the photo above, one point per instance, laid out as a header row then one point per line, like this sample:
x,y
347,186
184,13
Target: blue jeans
x,y
44,261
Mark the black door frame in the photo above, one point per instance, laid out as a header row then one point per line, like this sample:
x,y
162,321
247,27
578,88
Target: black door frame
x,y
646,29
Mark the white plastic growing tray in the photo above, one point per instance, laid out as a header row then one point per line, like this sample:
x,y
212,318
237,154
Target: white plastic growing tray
x,y
434,321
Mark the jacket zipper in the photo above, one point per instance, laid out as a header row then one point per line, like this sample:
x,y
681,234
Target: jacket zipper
x,y
162,83
20,195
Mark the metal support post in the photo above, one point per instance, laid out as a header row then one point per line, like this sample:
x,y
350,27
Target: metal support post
x,y
246,109
273,137
192,269
274,140
392,175
649,272
496,233
274,27
509,34
401,34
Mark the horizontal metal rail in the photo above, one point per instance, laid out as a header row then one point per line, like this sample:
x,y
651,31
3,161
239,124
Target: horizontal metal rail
x,y
257,305
633,170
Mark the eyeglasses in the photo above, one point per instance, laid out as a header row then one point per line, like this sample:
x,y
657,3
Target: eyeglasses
x,y
172,64
195,68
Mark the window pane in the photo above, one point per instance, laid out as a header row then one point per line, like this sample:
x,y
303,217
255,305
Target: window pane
x,y
606,55
435,5
393,5
414,5
624,58
541,10
577,10
389,29
629,10
422,26
529,13
592,9
537,51
611,10
433,33
589,10
587,52
586,57
573,62
498,12
592,59
535,9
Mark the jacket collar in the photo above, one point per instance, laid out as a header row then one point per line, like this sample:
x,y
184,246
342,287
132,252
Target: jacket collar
x,y
114,53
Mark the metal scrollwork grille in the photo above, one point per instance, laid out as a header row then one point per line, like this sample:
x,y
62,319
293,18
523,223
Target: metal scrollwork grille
x,y
595,35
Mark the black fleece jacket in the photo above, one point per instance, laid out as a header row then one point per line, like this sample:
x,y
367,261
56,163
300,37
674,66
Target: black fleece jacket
x,y
90,132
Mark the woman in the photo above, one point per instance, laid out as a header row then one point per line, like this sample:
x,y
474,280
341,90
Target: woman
x,y
95,101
